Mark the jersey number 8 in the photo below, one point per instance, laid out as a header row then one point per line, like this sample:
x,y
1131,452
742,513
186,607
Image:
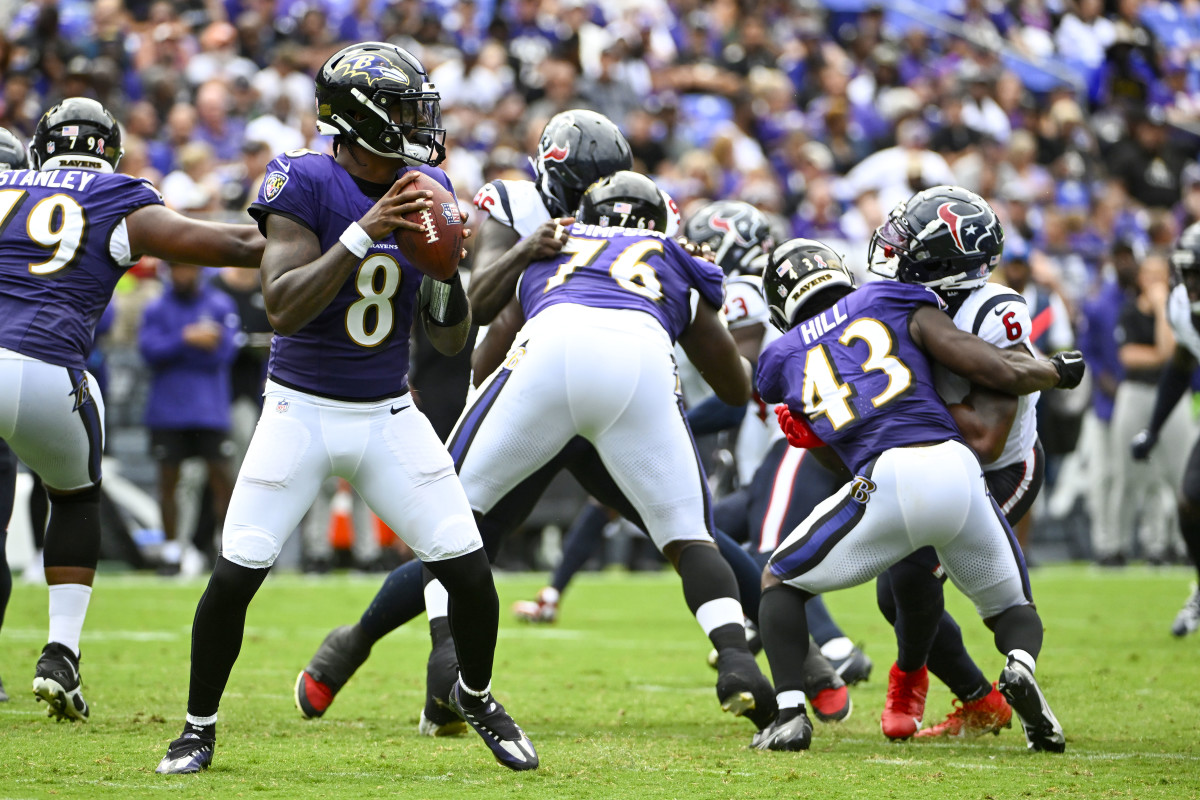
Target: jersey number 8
x,y
56,221
377,295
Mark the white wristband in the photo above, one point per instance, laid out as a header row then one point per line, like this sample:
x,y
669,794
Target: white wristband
x,y
356,240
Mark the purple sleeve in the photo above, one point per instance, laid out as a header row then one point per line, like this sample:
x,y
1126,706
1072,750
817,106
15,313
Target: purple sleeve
x,y
770,373
706,276
286,191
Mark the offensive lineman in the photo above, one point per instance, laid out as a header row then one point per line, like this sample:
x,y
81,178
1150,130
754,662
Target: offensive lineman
x,y
853,365
341,299
68,231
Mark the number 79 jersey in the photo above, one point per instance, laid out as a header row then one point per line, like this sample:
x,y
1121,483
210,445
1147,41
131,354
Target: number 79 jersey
x,y
858,376
623,268
63,247
356,349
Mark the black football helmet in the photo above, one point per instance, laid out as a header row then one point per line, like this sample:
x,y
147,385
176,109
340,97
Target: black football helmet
x,y
78,133
624,200
736,232
359,87
12,152
577,149
797,271
946,238
1185,261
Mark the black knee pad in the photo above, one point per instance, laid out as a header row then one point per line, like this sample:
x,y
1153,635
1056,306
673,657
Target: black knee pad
x,y
73,534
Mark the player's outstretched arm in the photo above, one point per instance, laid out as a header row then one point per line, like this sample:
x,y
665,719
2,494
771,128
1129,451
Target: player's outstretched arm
x,y
500,258
160,232
978,361
711,348
1173,383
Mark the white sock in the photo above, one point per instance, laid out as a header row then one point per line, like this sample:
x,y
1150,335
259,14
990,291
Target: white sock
x,y
480,694
837,649
171,551
722,611
548,596
201,721
437,600
68,609
793,698
1025,658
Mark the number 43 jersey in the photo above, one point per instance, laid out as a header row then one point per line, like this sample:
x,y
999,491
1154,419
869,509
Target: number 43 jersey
x,y
356,349
857,375
623,268
63,247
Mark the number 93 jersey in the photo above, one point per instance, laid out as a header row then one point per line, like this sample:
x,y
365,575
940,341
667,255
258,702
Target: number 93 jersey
x,y
623,268
63,247
356,349
858,376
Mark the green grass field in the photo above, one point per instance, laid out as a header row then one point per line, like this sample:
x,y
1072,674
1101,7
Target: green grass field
x,y
616,697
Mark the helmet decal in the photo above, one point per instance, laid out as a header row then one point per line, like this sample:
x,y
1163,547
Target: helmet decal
x,y
556,152
370,67
954,221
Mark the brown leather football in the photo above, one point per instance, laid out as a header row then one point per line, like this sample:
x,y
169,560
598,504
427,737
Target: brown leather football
x,y
435,251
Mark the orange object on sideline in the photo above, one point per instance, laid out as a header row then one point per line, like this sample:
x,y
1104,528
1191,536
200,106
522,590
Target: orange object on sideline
x,y
341,518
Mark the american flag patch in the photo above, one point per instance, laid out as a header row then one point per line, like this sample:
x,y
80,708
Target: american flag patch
x,y
623,208
70,130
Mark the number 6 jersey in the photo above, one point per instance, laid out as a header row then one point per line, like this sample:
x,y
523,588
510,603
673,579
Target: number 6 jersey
x,y
63,247
857,375
356,349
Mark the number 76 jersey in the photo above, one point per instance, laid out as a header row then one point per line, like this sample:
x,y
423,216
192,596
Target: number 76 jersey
x,y
63,247
623,268
858,376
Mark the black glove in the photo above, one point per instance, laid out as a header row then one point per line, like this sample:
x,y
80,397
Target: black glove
x,y
1069,364
1142,444
444,301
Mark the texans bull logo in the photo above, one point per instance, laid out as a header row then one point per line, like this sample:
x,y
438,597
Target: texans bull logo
x,y
549,150
729,224
966,234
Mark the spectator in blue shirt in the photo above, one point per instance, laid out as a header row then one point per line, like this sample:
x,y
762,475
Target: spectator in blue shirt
x,y
188,340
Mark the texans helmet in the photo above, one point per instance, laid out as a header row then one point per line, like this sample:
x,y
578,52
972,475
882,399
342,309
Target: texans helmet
x,y
797,271
1185,261
736,232
624,200
946,238
12,152
577,148
378,95
77,133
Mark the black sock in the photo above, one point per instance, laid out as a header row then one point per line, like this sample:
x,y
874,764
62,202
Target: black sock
x,y
584,536
203,731
73,533
952,665
1017,628
706,576
919,604
746,572
820,623
8,491
474,613
784,629
217,632
400,599
1189,529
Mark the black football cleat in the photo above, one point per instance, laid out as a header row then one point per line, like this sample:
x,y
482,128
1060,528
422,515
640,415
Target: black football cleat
x,y
742,689
438,718
1042,731
191,752
504,738
791,731
56,681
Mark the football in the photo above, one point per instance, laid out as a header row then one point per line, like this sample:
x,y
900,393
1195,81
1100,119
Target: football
x,y
437,249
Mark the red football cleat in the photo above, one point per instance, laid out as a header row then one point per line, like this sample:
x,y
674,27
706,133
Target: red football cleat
x,y
312,696
905,706
833,704
988,714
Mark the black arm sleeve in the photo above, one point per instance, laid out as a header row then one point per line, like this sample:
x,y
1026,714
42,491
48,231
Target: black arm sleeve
x,y
1172,384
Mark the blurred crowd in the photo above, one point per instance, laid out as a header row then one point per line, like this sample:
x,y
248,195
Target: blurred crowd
x,y
1079,120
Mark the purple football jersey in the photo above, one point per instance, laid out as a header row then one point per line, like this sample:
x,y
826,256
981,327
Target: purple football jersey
x,y
59,261
623,268
857,375
357,347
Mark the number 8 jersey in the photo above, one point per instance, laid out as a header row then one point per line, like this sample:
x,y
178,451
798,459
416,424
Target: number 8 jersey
x,y
356,349
63,247
858,376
